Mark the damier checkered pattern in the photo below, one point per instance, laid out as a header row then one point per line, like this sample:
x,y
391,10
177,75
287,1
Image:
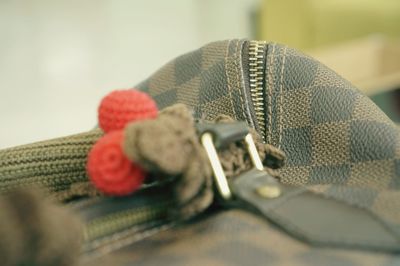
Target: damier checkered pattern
x,y
333,133
330,132
325,124
207,80
236,238
338,143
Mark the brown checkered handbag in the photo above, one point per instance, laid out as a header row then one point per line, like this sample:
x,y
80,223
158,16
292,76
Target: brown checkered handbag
x,y
335,201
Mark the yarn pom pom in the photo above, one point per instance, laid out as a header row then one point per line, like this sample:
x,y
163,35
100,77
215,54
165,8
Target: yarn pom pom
x,y
123,106
110,170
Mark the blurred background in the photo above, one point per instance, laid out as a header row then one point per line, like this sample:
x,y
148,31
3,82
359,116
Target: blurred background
x,y
58,58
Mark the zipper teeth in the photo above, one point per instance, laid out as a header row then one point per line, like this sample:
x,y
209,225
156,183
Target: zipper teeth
x,y
256,81
115,222
124,238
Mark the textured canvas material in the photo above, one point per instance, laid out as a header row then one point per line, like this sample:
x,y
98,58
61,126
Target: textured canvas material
x,y
330,132
337,142
236,238
207,80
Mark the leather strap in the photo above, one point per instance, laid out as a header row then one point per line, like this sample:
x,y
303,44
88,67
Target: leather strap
x,y
311,217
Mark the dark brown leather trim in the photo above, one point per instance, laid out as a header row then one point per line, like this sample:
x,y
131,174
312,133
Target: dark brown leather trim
x,y
313,218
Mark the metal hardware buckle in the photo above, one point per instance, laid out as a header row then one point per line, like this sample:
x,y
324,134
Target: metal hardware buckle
x,y
208,141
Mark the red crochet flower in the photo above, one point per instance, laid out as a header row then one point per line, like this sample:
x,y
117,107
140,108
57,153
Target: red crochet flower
x,y
123,106
110,170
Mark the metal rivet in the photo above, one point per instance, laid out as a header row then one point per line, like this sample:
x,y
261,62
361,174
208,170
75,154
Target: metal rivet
x,y
269,191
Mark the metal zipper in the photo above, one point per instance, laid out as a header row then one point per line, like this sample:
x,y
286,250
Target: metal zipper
x,y
107,220
257,55
124,238
116,222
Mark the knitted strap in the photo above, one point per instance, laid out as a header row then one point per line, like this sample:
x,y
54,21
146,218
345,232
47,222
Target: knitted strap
x,y
53,164
59,165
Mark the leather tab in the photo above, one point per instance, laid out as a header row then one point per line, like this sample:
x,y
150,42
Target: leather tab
x,y
313,218
224,133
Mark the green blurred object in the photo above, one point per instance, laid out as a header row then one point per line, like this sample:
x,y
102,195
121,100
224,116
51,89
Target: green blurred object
x,y
389,102
306,24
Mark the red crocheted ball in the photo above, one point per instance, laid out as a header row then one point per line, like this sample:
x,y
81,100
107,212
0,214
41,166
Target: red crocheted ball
x,y
123,106
110,170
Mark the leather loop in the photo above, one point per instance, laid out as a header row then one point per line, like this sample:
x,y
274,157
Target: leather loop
x,y
310,217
